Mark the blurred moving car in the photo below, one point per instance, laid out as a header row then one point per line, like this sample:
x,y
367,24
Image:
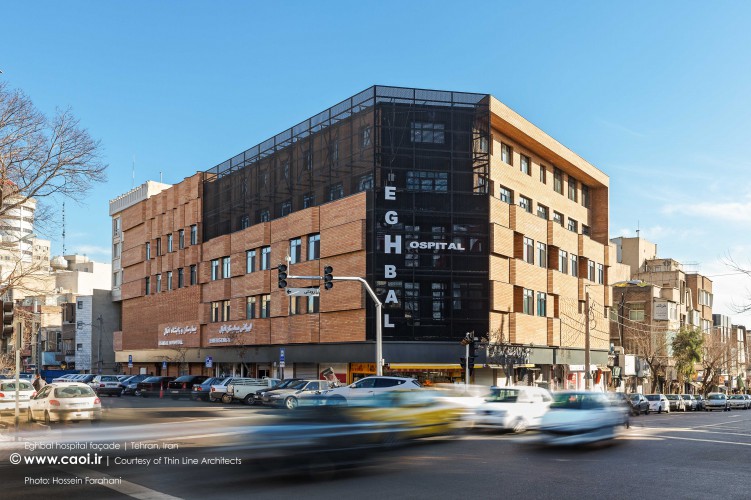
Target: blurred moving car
x,y
639,404
578,417
658,403
200,392
8,394
738,401
182,387
716,401
368,388
676,402
513,408
107,384
689,401
153,386
63,401
130,385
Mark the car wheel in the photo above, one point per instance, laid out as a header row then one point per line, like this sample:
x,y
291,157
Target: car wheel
x,y
646,412
519,425
290,403
249,400
47,420
226,399
659,409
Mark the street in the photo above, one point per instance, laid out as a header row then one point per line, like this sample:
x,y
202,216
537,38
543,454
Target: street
x,y
678,455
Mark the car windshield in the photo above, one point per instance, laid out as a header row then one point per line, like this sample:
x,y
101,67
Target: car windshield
x,y
74,392
634,397
11,386
716,396
653,397
686,396
578,401
737,397
152,379
502,396
672,397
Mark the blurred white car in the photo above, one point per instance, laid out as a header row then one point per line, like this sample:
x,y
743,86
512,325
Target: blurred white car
x,y
364,390
514,408
8,394
578,417
658,403
63,401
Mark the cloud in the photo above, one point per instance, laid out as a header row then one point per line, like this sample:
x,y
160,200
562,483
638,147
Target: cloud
x,y
91,250
715,211
621,128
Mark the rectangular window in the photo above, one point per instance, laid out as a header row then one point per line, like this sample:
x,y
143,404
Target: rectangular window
x,y
591,270
266,306
158,283
427,132
309,200
365,137
250,261
193,274
336,191
572,189
314,247
585,230
116,250
158,247
542,254
147,282
506,195
636,311
543,174
574,265
265,258
525,203
250,308
563,261
148,250
558,218
295,250
542,211
528,304
225,310
585,195
181,238
180,277
600,274
116,226
294,305
214,269
365,183
285,208
573,226
226,267
169,280
542,304
525,164
427,181
169,243
313,304
194,234
263,215
439,301
529,249
557,181
507,154
308,160
215,311
334,152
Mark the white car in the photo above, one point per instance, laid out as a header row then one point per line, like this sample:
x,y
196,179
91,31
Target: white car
x,y
738,402
514,408
579,417
63,401
364,390
8,394
658,403
716,401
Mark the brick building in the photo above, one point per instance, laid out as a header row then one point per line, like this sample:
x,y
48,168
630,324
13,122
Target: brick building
x,y
462,215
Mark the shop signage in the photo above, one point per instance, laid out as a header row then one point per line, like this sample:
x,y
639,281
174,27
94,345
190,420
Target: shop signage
x,y
171,342
244,328
220,340
179,330
362,367
209,361
306,292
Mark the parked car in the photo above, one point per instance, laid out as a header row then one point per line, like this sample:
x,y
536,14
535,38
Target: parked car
x,y
107,384
639,404
690,402
200,392
658,403
130,386
245,390
700,400
676,402
84,378
8,394
153,386
68,377
738,402
513,408
295,394
578,417
63,401
182,387
258,396
748,398
716,401
218,392
367,388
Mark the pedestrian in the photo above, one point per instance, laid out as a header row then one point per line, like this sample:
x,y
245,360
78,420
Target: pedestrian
x,y
38,383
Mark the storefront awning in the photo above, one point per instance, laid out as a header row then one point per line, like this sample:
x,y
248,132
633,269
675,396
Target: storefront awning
x,y
426,366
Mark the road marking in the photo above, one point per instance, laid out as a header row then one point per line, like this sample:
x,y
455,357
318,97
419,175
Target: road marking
x,y
715,441
125,487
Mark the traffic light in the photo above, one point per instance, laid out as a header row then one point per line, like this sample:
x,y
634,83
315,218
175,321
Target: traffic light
x,y
282,269
463,364
328,279
7,317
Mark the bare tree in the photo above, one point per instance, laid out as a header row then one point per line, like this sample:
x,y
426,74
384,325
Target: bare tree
x,y
716,360
650,343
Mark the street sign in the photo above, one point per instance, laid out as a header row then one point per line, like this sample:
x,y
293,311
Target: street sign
x,y
306,292
130,361
164,365
281,357
209,361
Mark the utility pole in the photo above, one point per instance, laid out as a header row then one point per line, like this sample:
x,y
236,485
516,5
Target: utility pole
x,y
99,350
587,372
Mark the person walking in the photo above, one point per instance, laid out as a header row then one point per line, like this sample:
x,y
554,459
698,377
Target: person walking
x,y
38,383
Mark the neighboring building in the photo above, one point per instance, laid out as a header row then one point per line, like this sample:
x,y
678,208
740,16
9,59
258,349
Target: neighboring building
x,y
462,215
634,252
701,300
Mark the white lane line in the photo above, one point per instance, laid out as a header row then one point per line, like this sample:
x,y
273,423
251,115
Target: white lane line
x,y
715,441
121,486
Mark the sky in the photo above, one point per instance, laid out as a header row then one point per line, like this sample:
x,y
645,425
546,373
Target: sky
x,y
654,94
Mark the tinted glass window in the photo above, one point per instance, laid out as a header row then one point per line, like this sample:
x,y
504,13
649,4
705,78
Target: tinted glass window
x,y
386,382
365,383
78,391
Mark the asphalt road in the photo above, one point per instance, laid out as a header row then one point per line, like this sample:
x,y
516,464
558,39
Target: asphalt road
x,y
683,455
